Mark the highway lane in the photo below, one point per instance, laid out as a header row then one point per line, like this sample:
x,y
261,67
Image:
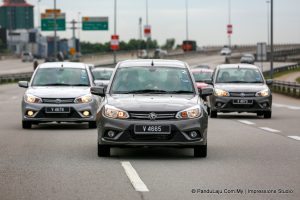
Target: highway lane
x,y
55,161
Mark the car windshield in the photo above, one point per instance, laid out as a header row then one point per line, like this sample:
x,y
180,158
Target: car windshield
x,y
61,77
202,76
239,75
102,74
158,80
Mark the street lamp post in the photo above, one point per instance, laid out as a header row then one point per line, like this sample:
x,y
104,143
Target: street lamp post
x,y
268,21
115,28
272,40
147,23
187,19
229,21
39,15
55,29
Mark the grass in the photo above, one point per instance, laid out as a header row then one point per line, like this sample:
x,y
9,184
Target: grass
x,y
298,80
279,74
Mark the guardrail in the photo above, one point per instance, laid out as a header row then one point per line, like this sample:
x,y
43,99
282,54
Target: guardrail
x,y
288,88
11,78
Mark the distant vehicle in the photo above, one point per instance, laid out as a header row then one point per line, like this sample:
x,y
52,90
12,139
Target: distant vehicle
x,y
201,66
152,103
142,53
240,88
160,53
202,78
51,59
248,58
102,76
225,51
189,45
27,57
59,92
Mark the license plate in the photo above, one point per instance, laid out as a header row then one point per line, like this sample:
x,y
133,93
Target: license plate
x,y
58,110
242,101
152,129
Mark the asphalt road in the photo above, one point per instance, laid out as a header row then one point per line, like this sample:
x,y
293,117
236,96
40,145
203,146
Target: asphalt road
x,y
59,161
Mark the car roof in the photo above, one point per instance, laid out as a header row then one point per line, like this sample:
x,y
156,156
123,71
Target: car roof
x,y
245,66
201,70
63,64
156,62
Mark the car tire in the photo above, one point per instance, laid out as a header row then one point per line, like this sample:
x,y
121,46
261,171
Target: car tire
x,y
200,151
26,125
268,114
92,125
208,110
213,114
103,151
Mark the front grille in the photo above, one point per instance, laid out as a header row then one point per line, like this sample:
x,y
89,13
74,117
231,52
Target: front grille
x,y
146,115
58,100
242,94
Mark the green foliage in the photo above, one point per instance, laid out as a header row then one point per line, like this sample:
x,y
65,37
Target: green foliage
x,y
298,80
170,43
133,44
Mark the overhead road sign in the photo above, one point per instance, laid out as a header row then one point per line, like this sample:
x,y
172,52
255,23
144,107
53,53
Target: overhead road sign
x,y
47,21
94,23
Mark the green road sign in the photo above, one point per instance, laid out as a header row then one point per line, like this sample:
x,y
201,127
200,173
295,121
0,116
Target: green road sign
x,y
94,23
47,22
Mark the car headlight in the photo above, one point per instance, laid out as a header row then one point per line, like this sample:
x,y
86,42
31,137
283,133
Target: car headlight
x,y
190,113
29,98
263,93
221,93
84,99
115,113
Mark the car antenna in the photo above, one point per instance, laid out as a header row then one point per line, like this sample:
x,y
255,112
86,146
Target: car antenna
x,y
62,65
152,63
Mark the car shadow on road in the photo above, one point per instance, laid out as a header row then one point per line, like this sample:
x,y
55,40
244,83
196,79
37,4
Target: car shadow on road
x,y
61,126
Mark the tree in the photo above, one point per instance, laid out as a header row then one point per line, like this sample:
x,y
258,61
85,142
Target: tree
x,y
169,44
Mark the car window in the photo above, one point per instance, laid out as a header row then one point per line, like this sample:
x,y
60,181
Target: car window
x,y
102,74
202,76
155,79
61,77
239,75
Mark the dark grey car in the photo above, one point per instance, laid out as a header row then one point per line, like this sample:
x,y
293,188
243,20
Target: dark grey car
x,y
240,88
152,103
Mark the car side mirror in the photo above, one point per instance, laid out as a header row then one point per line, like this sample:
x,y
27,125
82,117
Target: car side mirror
x,y
208,81
204,92
98,90
269,82
23,84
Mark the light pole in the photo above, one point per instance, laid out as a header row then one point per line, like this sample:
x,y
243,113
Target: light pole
x,y
229,22
187,19
115,28
79,47
272,40
55,29
39,14
268,21
147,24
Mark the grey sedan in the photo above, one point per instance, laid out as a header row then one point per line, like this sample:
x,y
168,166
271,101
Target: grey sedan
x,y
59,92
240,88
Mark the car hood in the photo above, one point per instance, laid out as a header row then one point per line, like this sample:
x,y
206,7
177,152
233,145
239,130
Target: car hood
x,y
129,102
58,92
241,87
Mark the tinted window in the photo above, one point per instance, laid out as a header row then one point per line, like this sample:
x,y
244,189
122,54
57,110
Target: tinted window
x,y
239,75
202,76
147,79
61,76
102,74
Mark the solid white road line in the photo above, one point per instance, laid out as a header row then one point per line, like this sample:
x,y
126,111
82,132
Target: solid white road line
x,y
286,106
294,137
246,122
134,178
269,129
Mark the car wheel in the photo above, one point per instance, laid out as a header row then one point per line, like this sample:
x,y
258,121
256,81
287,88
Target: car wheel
x,y
213,114
92,125
26,125
208,110
200,151
103,151
268,114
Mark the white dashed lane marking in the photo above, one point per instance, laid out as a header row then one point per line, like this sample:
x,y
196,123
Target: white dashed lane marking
x,y
270,129
295,137
246,122
134,178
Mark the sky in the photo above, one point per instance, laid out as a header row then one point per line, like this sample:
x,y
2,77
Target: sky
x,y
207,19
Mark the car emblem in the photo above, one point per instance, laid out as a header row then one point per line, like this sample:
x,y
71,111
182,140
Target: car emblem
x,y
152,116
58,101
243,94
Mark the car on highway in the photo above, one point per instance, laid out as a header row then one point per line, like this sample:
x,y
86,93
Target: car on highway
x,y
202,76
152,103
248,59
27,57
225,51
240,88
160,53
59,92
102,75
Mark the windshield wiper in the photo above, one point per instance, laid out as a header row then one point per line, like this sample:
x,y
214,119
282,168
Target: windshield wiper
x,y
150,91
79,85
54,84
181,92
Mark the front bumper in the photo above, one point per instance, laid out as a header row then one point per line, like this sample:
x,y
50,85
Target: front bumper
x,y
179,136
75,115
226,104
